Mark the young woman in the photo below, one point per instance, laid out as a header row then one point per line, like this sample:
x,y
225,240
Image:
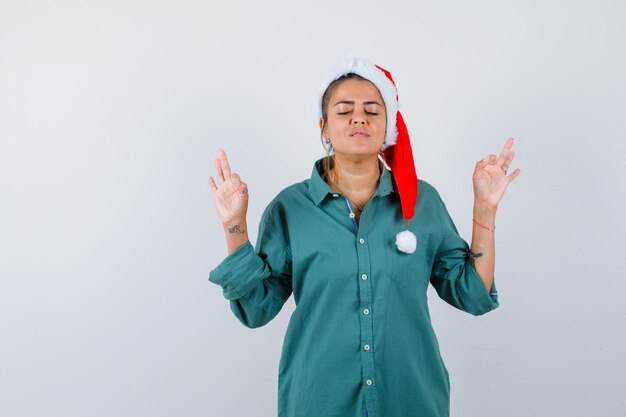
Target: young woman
x,y
357,244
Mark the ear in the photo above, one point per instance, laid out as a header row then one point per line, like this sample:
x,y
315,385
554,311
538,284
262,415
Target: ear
x,y
322,125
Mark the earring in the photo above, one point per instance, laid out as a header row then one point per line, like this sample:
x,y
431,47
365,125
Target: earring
x,y
327,140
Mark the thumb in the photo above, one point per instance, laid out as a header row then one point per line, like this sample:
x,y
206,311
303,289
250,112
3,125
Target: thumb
x,y
238,185
235,181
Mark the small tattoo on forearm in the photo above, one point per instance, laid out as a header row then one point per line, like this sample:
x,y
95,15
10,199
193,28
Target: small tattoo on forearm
x,y
235,229
474,256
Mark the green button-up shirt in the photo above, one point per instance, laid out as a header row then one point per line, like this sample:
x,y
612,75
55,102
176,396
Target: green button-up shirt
x,y
360,338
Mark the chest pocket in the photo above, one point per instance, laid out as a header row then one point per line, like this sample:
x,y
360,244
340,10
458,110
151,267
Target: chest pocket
x,y
411,270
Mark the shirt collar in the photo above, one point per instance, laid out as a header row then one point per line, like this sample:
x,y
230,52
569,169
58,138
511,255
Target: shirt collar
x,y
319,189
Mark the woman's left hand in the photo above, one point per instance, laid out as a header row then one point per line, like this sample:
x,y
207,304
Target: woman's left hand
x,y
490,176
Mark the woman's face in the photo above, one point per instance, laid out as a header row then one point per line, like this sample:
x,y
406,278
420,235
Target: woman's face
x,y
356,121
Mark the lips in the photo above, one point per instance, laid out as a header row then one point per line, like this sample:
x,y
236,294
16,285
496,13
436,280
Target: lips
x,y
360,134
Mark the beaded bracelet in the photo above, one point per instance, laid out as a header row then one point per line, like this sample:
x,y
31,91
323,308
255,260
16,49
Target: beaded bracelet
x,y
485,227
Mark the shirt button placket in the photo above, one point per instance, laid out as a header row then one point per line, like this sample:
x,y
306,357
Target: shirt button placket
x,y
367,353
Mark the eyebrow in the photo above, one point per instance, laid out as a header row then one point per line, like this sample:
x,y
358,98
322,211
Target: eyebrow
x,y
352,103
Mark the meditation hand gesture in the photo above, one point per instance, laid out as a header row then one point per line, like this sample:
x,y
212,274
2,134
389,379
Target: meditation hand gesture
x,y
231,196
490,177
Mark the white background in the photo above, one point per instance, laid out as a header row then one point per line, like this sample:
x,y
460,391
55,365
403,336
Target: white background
x,y
111,114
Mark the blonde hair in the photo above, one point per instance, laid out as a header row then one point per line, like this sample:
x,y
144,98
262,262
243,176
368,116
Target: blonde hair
x,y
328,163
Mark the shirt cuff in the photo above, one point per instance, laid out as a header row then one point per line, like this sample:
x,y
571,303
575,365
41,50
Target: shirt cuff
x,y
235,273
482,300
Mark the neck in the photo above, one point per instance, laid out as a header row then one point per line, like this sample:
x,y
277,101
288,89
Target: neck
x,y
356,175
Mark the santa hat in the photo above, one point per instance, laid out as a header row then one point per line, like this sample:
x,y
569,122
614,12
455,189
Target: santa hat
x,y
397,152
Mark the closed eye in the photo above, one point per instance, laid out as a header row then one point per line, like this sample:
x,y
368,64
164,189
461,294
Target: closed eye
x,y
371,113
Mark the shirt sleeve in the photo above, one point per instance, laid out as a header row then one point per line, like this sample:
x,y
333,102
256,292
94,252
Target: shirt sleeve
x,y
258,281
453,275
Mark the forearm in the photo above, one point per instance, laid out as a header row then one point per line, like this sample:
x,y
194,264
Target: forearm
x,y
256,284
483,242
236,234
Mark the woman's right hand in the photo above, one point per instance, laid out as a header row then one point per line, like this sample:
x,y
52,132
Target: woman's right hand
x,y
231,196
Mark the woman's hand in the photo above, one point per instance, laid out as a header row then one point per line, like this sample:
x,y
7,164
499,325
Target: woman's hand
x,y
231,196
490,177
490,181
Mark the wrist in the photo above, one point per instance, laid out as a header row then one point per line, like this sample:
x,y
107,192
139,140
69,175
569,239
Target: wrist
x,y
484,211
236,222
236,231
484,216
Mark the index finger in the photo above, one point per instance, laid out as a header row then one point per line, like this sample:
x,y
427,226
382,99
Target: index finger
x,y
224,164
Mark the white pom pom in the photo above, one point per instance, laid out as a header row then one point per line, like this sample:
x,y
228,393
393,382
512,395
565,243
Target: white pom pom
x,y
406,241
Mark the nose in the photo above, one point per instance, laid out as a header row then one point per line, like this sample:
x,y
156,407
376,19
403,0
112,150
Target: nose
x,y
359,117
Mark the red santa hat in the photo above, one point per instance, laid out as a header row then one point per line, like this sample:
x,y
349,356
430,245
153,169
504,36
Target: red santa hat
x,y
397,152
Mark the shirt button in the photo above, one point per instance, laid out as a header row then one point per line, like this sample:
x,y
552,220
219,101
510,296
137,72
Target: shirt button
x,y
369,382
366,347
361,241
364,277
352,215
366,311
